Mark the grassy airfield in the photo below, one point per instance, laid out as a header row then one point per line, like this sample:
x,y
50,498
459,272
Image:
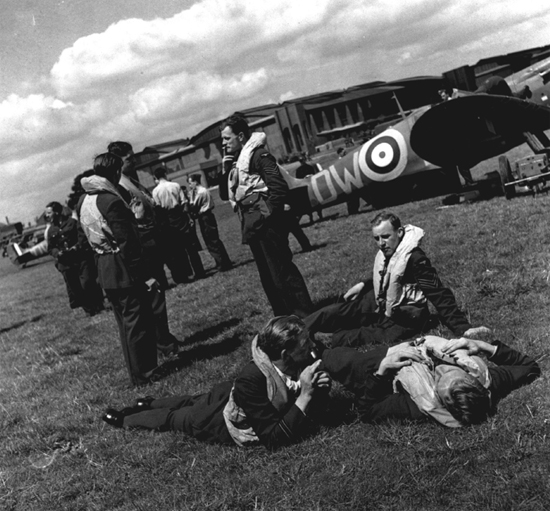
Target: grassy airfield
x,y
59,370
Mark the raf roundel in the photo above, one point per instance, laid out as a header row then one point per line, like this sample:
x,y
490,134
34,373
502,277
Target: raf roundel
x,y
384,157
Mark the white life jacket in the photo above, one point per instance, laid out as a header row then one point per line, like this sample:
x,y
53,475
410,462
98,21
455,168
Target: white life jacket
x,y
241,183
95,227
396,293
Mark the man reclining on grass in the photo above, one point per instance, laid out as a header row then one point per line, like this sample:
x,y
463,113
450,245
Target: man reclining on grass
x,y
394,304
442,379
268,402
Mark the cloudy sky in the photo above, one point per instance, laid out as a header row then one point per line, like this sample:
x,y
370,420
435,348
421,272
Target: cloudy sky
x,y
76,74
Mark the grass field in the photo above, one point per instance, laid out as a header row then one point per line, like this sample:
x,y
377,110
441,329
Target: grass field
x,y
60,370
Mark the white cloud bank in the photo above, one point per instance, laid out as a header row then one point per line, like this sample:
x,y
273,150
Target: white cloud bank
x,y
152,81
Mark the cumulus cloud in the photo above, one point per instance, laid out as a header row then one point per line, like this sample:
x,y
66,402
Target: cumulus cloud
x,y
152,81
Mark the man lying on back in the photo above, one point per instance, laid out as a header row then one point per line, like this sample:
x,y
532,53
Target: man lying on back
x,y
444,380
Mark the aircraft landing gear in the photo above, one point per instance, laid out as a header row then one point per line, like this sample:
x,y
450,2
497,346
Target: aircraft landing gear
x,y
506,177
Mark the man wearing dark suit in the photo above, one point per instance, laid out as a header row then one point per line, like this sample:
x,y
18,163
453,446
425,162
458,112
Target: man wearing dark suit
x,y
258,191
143,206
112,231
393,305
470,397
268,403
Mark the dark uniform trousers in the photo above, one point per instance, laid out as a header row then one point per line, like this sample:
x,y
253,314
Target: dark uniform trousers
x,y
282,281
199,416
134,316
211,236
356,323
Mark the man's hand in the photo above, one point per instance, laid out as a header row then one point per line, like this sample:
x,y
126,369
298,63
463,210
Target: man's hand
x,y
310,380
471,346
397,360
353,292
399,347
307,379
477,331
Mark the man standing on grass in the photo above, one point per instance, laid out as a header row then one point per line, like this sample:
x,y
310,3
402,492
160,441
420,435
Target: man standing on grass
x,y
178,245
142,205
393,305
270,402
74,259
202,205
258,191
112,232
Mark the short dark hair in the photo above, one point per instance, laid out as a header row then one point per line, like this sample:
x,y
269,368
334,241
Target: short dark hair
x,y
237,123
57,208
281,333
196,178
159,172
471,402
382,217
107,165
119,148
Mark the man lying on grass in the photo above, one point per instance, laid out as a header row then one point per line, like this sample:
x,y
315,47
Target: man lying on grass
x,y
444,380
268,402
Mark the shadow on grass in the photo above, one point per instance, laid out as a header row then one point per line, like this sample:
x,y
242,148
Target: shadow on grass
x,y
202,352
321,220
317,246
21,323
213,331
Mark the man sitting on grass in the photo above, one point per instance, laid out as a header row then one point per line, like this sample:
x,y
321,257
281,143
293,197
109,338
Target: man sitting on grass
x,y
393,305
444,380
268,402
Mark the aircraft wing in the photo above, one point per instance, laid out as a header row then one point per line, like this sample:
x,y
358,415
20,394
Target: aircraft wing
x,y
470,129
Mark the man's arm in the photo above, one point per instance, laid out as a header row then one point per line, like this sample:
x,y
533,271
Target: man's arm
x,y
441,297
264,163
513,370
369,377
274,428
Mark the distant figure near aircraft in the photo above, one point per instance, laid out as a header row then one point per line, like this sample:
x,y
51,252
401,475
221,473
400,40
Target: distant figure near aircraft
x,y
177,230
202,205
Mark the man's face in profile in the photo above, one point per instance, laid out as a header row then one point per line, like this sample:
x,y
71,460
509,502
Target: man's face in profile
x,y
387,238
231,142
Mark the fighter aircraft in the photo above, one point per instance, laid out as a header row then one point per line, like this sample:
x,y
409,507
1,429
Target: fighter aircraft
x,y
418,156
383,170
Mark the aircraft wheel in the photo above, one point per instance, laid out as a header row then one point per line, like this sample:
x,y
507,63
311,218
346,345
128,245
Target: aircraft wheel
x,y
505,172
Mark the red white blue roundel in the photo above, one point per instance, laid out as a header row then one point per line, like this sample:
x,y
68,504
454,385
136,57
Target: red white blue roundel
x,y
384,157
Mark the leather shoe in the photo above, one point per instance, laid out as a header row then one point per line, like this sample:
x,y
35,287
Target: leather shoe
x,y
113,417
144,403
